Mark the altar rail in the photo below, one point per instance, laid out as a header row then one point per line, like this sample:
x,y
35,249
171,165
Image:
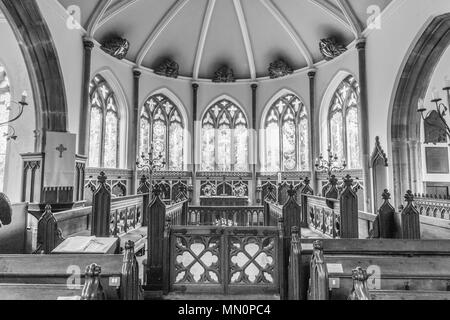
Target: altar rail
x,y
433,206
244,216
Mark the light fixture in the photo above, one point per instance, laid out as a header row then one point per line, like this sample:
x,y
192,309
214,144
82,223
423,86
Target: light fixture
x,y
441,108
150,165
330,166
10,134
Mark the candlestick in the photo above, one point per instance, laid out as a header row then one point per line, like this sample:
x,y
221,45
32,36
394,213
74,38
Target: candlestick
x,y
24,97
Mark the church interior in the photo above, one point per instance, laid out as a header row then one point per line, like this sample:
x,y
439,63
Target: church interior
x,y
224,149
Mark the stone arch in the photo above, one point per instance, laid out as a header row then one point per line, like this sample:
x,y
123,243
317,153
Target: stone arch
x,y
412,85
41,59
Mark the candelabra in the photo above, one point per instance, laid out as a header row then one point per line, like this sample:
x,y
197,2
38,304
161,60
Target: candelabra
x,y
331,165
10,134
150,165
441,108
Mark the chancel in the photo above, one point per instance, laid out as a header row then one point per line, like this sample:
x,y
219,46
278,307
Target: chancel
x,y
224,150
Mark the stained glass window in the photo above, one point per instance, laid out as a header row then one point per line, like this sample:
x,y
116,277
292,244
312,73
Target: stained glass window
x,y
104,125
224,138
344,124
162,125
286,136
5,99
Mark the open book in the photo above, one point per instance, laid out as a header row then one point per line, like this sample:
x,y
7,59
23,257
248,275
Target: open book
x,y
86,245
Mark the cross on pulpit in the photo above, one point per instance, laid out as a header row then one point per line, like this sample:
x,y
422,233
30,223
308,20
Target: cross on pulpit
x,y
61,149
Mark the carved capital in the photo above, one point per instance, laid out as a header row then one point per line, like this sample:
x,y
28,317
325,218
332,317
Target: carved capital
x,y
361,44
88,44
137,73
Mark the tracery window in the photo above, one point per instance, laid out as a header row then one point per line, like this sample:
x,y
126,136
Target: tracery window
x,y
287,136
224,138
162,124
343,128
5,100
104,125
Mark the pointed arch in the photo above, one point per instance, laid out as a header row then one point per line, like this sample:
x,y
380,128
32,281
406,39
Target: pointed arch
x,y
224,136
163,124
285,133
339,113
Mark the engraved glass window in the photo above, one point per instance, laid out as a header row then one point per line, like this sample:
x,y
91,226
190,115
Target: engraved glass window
x,y
162,125
224,138
344,123
5,100
286,136
103,126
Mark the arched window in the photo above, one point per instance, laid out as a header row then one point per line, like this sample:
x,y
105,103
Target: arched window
x,y
343,128
5,99
224,138
104,125
286,136
162,124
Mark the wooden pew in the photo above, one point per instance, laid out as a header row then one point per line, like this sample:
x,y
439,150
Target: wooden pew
x,y
335,215
157,262
400,264
119,273
91,290
360,291
118,217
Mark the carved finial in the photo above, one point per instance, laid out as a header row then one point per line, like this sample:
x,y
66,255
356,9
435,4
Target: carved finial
x,y
92,289
143,179
102,178
291,192
386,195
318,245
333,181
157,190
307,181
359,274
48,209
348,181
129,245
409,197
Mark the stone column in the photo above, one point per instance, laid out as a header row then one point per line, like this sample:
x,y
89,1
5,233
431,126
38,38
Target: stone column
x,y
85,104
415,165
312,128
195,190
364,124
254,139
135,117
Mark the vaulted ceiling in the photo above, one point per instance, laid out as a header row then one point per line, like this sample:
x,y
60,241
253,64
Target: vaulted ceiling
x,y
246,35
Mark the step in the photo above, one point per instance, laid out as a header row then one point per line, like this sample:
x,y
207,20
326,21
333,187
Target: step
x,y
249,297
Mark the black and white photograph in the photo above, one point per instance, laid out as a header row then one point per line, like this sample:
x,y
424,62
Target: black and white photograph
x,y
222,158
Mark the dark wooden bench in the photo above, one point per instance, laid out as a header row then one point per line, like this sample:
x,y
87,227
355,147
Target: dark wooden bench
x,y
91,290
401,265
119,273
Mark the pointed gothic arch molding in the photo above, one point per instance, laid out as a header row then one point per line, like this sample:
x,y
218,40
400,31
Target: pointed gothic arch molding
x,y
41,59
324,109
124,111
412,84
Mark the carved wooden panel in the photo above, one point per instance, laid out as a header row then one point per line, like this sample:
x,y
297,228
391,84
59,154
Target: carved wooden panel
x,y
224,260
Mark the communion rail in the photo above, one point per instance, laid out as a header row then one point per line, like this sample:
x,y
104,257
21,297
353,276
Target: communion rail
x,y
243,216
434,207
